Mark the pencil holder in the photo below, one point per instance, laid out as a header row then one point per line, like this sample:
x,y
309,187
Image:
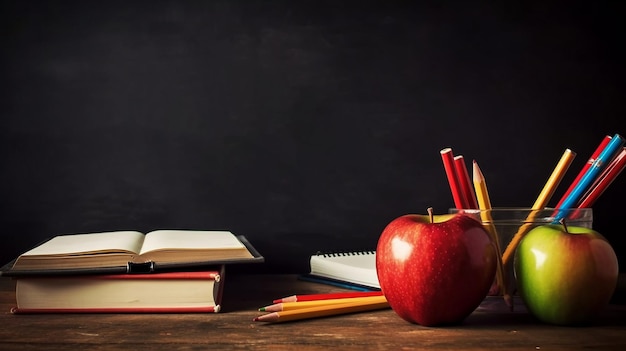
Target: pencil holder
x,y
511,224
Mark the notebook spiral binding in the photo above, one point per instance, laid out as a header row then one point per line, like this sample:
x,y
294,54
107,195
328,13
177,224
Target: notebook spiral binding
x,y
341,254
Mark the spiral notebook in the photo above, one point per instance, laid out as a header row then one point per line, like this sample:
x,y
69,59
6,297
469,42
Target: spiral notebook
x,y
356,270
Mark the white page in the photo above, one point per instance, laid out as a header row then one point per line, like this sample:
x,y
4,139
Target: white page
x,y
190,239
73,243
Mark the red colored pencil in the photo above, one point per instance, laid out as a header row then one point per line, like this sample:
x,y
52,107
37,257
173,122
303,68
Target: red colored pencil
x,y
340,295
613,169
453,179
593,157
464,179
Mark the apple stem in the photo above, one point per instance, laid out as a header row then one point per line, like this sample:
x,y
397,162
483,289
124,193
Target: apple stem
x,y
431,216
562,221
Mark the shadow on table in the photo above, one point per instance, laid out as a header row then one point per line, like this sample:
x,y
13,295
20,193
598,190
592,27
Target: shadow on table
x,y
494,311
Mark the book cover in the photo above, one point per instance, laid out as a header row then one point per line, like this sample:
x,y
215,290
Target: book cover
x,y
171,292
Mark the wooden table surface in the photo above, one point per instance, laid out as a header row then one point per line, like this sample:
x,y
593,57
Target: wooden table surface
x,y
491,326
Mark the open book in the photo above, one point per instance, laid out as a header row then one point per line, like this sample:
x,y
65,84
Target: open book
x,y
132,251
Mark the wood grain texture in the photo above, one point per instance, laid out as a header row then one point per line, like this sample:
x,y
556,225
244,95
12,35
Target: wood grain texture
x,y
491,326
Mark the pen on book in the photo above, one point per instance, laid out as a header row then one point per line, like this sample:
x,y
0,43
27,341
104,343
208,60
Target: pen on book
x,y
540,203
464,180
323,311
453,179
484,204
287,306
614,145
588,164
316,297
604,180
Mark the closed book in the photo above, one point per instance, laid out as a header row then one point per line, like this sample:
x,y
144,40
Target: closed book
x,y
357,268
171,292
132,252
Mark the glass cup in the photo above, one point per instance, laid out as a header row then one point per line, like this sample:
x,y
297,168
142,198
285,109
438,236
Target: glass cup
x,y
511,224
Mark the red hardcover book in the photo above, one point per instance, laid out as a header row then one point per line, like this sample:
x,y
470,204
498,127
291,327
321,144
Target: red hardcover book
x,y
172,292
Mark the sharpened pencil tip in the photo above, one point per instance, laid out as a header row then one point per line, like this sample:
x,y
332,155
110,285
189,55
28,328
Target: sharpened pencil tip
x,y
477,174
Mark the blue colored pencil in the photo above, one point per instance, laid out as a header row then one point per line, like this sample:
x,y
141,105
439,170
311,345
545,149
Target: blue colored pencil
x,y
590,176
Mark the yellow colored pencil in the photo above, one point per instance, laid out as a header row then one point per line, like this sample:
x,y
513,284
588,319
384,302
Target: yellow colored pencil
x,y
287,306
484,204
375,303
541,202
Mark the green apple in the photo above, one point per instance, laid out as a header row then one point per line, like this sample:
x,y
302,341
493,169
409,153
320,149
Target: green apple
x,y
565,275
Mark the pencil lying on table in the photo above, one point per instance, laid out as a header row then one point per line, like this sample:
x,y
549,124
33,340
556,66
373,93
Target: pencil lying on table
x,y
339,295
376,303
287,306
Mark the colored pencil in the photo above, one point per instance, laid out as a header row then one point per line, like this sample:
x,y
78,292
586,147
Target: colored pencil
x,y
316,297
323,311
590,161
453,179
604,180
288,306
590,176
484,204
541,202
464,180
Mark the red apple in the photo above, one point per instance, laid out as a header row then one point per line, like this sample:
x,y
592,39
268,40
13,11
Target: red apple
x,y
565,274
435,270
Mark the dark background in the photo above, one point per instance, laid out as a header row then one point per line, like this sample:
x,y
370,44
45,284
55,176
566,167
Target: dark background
x,y
304,125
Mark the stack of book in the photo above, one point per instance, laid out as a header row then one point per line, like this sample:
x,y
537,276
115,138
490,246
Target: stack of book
x,y
164,271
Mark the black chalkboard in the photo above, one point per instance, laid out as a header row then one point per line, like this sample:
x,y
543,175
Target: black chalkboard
x,y
304,125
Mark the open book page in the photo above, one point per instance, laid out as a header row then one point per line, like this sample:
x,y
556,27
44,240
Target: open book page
x,y
190,239
120,241
125,251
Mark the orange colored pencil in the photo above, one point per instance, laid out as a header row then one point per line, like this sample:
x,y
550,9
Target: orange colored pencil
x,y
288,306
540,203
323,311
